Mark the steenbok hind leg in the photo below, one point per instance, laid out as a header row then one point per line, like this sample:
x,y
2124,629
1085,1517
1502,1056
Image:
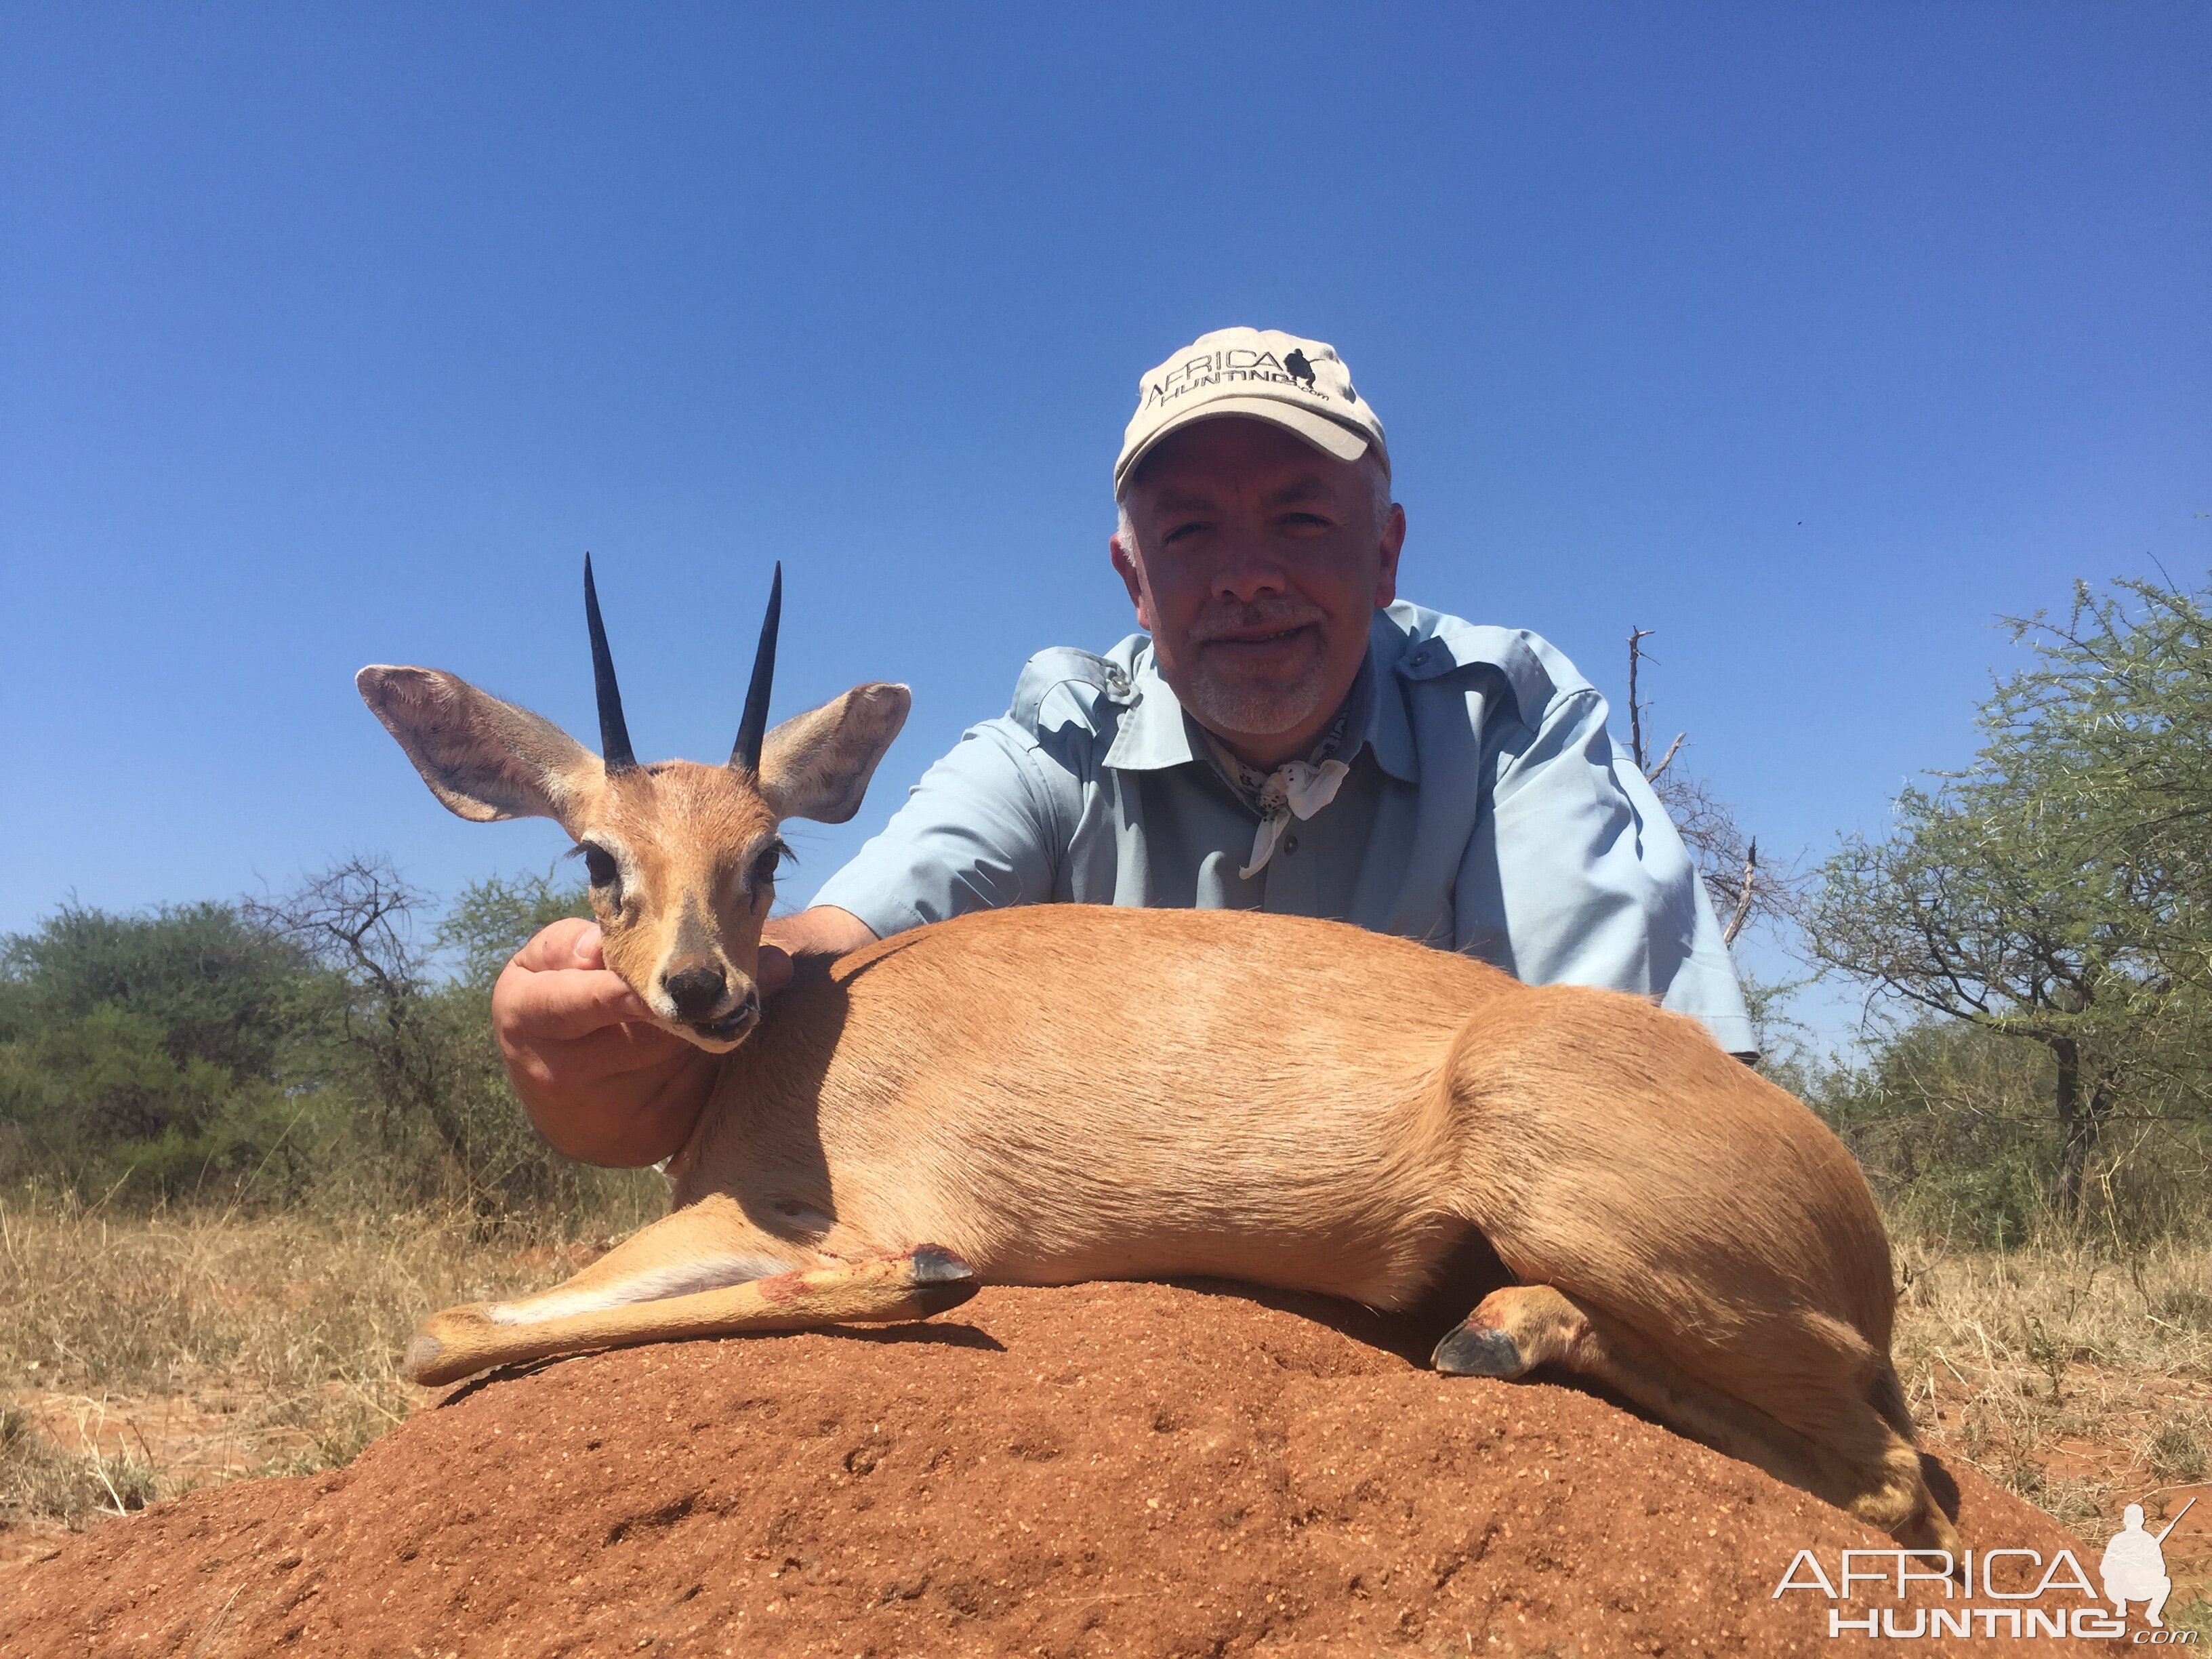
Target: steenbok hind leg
x,y
1521,1326
1514,1330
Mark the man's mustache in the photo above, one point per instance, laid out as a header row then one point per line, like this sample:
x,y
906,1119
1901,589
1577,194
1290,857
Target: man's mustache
x,y
1263,616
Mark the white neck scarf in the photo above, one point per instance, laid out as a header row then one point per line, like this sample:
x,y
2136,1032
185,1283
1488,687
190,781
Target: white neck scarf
x,y
1296,789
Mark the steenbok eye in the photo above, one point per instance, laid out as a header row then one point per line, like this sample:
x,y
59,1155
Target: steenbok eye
x,y
761,876
599,865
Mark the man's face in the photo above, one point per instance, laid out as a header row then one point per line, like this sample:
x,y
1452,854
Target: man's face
x,y
1257,565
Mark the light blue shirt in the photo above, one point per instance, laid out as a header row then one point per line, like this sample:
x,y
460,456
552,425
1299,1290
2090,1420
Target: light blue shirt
x,y
1486,811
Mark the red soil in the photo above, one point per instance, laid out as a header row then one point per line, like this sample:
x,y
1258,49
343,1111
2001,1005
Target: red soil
x,y
1114,1468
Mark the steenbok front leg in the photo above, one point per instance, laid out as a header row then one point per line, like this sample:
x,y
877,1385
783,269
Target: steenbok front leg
x,y
701,1272
890,1290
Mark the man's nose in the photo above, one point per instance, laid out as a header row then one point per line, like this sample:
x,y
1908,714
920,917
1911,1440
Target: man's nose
x,y
1248,569
695,989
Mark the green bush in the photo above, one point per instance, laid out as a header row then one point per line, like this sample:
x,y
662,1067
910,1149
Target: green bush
x,y
217,989
318,1045
1951,1122
101,1103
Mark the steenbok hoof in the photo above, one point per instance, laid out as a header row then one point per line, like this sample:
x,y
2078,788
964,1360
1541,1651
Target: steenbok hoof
x,y
941,1280
446,1347
935,1265
1472,1350
420,1363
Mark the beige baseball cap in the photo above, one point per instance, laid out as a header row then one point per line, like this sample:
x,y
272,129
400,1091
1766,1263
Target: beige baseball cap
x,y
1301,386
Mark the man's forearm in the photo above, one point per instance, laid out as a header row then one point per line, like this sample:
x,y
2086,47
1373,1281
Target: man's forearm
x,y
627,1120
824,931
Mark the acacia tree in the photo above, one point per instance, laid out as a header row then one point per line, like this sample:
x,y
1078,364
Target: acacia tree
x,y
357,919
419,1035
2056,891
150,1052
1974,908
2117,721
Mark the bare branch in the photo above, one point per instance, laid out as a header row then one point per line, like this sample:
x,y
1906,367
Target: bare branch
x,y
1749,889
1742,889
1635,748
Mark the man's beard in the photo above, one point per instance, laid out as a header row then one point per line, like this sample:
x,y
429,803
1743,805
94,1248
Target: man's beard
x,y
1228,702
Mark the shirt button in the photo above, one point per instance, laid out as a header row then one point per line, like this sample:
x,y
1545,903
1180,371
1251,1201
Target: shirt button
x,y
1290,844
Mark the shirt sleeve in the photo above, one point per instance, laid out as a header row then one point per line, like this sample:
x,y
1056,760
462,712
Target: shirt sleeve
x,y
1574,876
981,830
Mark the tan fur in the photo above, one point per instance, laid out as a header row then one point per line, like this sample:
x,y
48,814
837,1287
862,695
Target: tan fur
x,y
1062,1093
695,846
689,837
890,1290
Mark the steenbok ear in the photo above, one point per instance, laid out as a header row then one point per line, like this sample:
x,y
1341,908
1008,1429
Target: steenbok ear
x,y
484,759
816,765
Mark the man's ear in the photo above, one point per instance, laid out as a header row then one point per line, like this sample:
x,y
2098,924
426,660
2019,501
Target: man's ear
x,y
816,765
484,759
1394,540
1122,551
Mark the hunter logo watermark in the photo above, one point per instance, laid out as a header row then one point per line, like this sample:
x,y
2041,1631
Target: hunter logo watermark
x,y
2013,1594
1232,365
2133,1565
1260,373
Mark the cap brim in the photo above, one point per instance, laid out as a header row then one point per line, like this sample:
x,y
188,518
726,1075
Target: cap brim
x,y
1330,437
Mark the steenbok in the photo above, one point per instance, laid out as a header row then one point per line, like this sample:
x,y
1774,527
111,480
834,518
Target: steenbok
x,y
1058,1093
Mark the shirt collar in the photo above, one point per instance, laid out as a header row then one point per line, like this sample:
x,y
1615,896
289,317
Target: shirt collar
x,y
1389,730
1155,732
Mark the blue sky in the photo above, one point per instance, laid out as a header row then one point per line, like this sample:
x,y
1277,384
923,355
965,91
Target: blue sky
x,y
1813,337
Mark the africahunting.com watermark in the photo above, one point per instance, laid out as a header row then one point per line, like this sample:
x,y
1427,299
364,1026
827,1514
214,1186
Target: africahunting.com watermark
x,y
2011,1594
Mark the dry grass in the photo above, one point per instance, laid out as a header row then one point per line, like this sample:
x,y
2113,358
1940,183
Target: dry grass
x,y
2082,1382
141,1358
40,1478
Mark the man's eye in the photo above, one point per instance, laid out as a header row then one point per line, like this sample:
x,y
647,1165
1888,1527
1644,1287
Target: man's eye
x,y
599,866
1182,532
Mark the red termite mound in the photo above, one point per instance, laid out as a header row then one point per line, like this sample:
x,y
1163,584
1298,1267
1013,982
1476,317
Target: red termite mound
x,y
1112,1468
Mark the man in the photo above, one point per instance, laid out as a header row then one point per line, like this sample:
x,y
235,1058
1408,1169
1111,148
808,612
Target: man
x,y
1283,736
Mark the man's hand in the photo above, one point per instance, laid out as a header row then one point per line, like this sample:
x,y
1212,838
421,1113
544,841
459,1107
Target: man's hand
x,y
601,1080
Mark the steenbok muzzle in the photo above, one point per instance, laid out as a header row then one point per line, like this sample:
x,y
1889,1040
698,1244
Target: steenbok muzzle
x,y
1059,1093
